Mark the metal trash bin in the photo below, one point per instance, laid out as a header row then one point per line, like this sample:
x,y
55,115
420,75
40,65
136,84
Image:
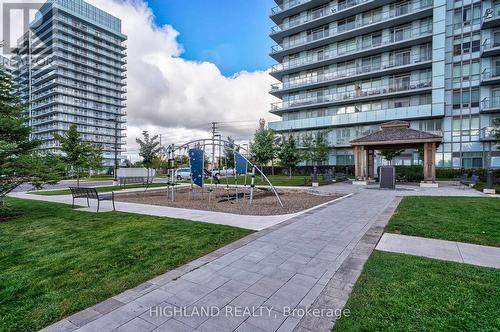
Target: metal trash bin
x,y
387,177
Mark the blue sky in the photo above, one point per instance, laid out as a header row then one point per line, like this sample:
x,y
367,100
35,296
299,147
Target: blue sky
x,y
233,34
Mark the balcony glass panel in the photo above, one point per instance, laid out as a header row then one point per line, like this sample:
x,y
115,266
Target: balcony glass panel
x,y
353,46
375,89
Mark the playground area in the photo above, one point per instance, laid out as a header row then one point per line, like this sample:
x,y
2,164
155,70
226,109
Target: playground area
x,y
226,200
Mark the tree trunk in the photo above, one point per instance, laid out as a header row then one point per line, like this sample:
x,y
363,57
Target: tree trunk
x,y
272,166
290,172
77,178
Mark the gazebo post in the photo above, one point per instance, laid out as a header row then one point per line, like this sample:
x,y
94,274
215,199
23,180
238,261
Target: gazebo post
x,y
370,163
359,162
430,162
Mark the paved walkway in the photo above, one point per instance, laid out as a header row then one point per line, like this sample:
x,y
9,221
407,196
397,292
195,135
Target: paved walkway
x,y
256,223
441,249
309,260
260,282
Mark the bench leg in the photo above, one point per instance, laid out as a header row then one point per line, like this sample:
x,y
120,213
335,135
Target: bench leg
x,y
88,204
97,205
73,204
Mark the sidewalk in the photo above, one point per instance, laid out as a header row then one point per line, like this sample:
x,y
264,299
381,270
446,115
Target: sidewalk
x,y
255,223
441,249
309,260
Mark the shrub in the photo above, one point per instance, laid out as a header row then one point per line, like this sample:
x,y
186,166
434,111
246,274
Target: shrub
x,y
413,173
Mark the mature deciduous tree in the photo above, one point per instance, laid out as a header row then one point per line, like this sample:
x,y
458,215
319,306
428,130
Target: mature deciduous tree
x,y
289,154
20,160
80,155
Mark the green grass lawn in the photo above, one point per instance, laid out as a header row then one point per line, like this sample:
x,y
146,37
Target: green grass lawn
x,y
55,261
276,180
406,293
99,189
463,219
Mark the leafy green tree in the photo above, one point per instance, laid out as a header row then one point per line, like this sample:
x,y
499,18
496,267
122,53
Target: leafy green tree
x,y
390,154
496,131
321,148
229,152
289,154
263,146
80,155
149,149
315,150
20,160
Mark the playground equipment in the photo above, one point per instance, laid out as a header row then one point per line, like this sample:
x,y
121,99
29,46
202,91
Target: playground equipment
x,y
197,152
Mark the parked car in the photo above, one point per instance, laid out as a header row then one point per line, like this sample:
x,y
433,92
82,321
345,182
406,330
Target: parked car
x,y
222,172
183,173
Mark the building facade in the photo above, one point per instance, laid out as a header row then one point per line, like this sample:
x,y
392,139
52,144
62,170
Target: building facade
x,y
70,69
346,66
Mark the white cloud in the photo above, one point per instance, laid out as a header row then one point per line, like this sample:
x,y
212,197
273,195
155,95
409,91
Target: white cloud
x,y
170,95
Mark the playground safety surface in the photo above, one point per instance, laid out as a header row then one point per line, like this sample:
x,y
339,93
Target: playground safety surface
x,y
223,200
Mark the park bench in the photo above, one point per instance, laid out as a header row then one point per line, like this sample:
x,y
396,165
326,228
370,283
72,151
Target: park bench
x,y
91,193
469,182
131,180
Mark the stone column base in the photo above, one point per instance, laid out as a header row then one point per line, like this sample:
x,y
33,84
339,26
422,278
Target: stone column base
x,y
428,184
489,191
360,182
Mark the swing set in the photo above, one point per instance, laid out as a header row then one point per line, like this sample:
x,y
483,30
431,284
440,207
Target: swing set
x,y
198,152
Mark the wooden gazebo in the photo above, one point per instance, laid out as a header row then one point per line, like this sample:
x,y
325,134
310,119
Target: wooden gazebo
x,y
394,135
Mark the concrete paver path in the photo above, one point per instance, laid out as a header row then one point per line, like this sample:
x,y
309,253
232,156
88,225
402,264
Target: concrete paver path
x,y
309,260
441,249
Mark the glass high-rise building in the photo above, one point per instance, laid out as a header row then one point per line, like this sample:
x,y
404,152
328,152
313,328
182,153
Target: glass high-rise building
x,y
346,66
71,70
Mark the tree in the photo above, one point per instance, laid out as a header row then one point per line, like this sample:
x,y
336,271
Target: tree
x,y
315,150
229,152
263,146
496,131
80,155
20,160
390,154
288,154
149,149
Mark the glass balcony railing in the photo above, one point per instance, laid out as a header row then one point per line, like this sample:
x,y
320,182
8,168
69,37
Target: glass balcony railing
x,y
393,38
492,13
488,133
350,72
489,74
489,103
88,88
396,35
358,93
343,5
488,43
400,10
118,64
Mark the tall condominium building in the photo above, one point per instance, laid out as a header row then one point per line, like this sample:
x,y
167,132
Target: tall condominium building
x,y
71,70
346,66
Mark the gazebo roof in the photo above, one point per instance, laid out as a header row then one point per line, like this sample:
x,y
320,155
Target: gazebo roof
x,y
397,133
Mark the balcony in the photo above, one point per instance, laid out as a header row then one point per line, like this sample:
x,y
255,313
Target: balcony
x,y
490,105
490,48
410,112
279,12
380,92
490,76
416,8
345,75
359,49
491,18
488,134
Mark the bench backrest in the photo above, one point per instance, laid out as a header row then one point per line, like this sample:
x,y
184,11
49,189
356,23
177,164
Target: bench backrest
x,y
79,192
133,179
